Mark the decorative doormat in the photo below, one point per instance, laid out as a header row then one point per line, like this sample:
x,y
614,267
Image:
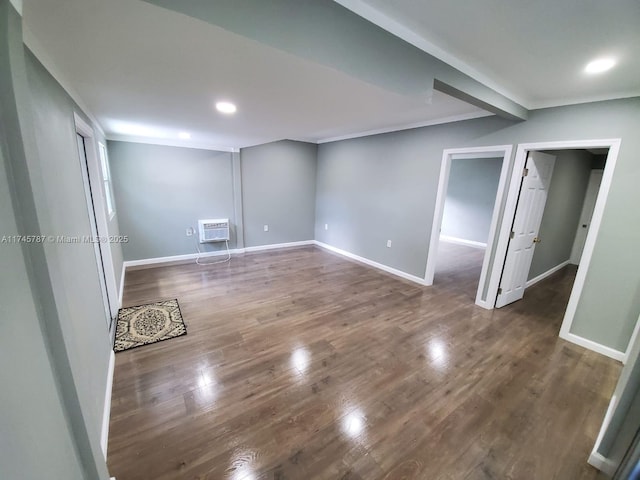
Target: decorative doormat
x,y
145,324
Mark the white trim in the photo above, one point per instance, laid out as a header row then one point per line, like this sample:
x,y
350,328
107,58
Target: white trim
x,y
591,345
564,102
509,211
174,259
371,263
596,459
630,362
408,126
471,155
17,4
260,248
378,18
546,274
432,255
106,414
97,211
601,463
462,241
121,292
170,143
596,219
187,258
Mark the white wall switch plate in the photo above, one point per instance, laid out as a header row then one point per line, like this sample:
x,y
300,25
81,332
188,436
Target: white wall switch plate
x,y
388,243
266,228
326,226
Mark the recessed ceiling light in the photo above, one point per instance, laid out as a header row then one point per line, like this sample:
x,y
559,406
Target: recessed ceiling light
x,y
184,135
226,107
600,65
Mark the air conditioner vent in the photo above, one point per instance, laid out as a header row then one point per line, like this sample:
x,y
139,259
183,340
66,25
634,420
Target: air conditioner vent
x,y
213,230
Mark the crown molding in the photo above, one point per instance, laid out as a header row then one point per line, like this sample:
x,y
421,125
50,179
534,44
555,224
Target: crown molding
x,y
408,126
170,143
396,28
565,102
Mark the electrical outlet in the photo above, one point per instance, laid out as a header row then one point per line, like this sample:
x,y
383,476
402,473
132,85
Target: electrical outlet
x,y
326,226
388,243
190,231
266,228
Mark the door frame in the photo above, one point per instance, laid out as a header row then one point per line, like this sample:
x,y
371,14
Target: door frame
x,y
443,183
522,151
94,176
574,251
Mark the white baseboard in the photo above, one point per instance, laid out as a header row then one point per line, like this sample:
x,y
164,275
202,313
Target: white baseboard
x,y
190,257
595,456
175,259
462,241
546,274
273,246
104,437
591,345
371,263
602,463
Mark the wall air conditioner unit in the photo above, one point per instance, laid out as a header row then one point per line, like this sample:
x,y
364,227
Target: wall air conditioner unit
x,y
214,230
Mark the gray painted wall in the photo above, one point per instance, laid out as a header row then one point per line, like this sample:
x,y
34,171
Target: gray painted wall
x,y
383,187
35,442
63,211
161,191
562,210
54,390
393,178
279,190
471,196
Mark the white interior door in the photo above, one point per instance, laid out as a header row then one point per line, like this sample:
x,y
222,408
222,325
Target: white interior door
x,y
526,224
585,217
99,247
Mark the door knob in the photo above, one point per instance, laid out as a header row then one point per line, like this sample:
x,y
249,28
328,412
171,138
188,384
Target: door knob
x,y
537,240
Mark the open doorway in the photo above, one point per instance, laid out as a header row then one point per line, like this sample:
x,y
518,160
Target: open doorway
x,y
471,185
554,210
552,215
466,220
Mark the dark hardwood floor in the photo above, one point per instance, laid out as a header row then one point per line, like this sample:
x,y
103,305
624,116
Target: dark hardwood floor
x,y
299,364
458,269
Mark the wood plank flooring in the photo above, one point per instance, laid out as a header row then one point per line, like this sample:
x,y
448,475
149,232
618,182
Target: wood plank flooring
x,y
299,364
458,269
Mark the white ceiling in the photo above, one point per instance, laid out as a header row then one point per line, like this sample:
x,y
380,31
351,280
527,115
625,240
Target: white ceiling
x,y
532,51
135,65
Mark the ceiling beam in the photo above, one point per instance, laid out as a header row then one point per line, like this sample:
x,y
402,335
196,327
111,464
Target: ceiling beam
x,y
327,33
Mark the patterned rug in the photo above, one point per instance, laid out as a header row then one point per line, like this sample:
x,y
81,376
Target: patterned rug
x,y
151,323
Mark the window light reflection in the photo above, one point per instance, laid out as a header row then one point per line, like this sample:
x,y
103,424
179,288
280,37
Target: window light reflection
x,y
300,359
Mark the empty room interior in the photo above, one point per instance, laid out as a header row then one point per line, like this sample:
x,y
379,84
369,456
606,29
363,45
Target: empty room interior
x,y
289,239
